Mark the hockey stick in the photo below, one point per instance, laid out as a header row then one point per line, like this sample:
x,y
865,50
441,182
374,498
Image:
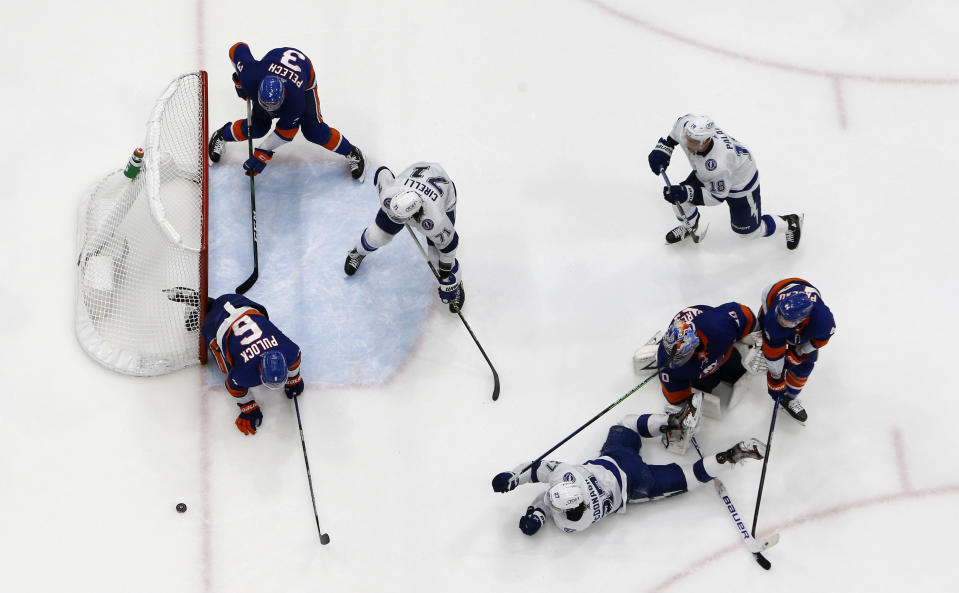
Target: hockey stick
x,y
593,419
324,537
762,477
696,237
755,546
463,319
248,283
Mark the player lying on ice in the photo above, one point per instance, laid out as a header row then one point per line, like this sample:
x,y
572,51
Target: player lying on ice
x,y
580,495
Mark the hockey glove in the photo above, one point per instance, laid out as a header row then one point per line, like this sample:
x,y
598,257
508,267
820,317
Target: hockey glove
x,y
505,481
449,282
660,156
294,386
794,357
679,194
776,386
250,417
256,163
239,88
532,520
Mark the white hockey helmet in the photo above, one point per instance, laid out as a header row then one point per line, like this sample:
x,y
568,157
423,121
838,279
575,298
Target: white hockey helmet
x,y
699,127
564,496
404,206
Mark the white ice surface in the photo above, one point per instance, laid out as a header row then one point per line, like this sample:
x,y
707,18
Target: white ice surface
x,y
543,112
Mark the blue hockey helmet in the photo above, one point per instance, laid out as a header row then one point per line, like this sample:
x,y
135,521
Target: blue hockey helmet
x,y
273,369
792,309
680,341
272,92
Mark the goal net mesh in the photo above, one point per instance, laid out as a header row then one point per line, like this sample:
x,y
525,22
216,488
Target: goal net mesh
x,y
138,238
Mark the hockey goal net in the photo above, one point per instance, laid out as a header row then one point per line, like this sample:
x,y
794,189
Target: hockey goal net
x,y
139,238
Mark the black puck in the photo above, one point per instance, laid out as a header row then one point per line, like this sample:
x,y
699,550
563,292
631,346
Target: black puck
x,y
180,508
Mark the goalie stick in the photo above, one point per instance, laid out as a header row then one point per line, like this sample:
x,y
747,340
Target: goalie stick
x,y
697,237
463,319
755,547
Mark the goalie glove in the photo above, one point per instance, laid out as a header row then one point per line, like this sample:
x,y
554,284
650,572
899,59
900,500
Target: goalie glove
x,y
256,163
250,417
532,520
660,156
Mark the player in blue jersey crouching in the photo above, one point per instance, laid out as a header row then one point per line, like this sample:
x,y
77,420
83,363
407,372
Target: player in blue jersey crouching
x,y
247,347
283,87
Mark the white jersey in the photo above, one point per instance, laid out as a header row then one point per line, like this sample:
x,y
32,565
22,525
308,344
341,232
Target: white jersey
x,y
726,171
436,188
603,479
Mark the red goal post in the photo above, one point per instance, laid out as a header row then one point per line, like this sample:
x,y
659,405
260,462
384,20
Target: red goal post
x,y
137,238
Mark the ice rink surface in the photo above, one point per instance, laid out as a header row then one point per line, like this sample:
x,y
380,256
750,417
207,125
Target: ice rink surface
x,y
543,113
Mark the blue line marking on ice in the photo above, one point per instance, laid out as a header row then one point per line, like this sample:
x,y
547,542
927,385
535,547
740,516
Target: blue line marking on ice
x,y
351,330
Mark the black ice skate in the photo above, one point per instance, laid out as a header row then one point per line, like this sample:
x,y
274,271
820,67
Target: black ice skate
x,y
682,231
353,260
749,449
217,144
456,305
795,409
793,230
357,163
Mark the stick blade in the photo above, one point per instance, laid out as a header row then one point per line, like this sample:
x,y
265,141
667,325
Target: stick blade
x,y
762,561
248,283
495,385
324,538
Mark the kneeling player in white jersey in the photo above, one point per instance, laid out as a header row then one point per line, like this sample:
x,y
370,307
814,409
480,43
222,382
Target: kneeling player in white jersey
x,y
580,495
424,197
723,171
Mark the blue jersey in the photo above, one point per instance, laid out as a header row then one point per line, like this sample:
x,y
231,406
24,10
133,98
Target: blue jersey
x,y
237,331
288,63
718,329
815,329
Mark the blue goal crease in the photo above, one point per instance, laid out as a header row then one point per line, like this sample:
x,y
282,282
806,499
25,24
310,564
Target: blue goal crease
x,y
352,331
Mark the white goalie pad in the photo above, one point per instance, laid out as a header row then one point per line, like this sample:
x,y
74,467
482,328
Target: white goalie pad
x,y
644,359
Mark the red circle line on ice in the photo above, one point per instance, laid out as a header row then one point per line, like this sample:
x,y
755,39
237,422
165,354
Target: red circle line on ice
x,y
855,505
811,71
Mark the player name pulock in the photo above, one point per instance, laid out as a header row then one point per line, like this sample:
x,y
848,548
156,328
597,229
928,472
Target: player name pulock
x,y
257,347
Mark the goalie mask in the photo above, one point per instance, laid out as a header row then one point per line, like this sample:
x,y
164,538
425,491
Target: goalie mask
x,y
566,496
405,206
793,309
271,93
273,369
680,341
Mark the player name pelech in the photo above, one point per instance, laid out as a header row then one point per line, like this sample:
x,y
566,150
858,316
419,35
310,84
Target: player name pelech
x,y
286,73
261,345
